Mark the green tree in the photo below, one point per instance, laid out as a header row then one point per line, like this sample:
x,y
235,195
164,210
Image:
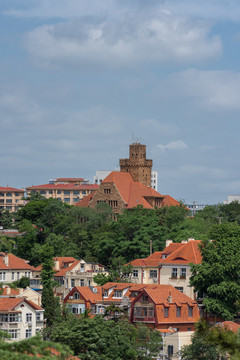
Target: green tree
x,y
50,303
217,278
6,219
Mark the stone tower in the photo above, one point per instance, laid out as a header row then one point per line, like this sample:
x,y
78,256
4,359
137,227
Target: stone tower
x,y
137,165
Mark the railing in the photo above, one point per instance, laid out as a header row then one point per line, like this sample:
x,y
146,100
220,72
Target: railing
x,y
144,318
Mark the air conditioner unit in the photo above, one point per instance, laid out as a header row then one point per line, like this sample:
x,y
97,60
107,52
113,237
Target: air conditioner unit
x,y
155,280
70,297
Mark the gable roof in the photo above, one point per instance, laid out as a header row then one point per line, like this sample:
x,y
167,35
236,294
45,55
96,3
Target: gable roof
x,y
10,261
9,304
85,201
68,186
186,253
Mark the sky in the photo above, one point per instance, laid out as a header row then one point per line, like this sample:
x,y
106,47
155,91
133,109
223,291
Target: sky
x,y
81,80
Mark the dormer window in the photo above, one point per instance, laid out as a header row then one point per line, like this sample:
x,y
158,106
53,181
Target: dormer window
x,y
118,293
105,293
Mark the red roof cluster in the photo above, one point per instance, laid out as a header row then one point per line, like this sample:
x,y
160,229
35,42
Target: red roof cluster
x,y
7,188
64,187
10,261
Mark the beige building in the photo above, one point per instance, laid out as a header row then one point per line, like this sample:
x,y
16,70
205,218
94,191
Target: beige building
x,y
69,273
169,267
68,190
10,198
13,268
27,293
20,317
173,342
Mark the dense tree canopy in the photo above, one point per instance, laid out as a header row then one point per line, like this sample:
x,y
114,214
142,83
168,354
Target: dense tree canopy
x,y
217,278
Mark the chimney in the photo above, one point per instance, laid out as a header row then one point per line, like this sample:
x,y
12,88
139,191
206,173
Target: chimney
x,y
168,242
6,259
184,241
57,265
8,290
20,291
170,297
190,239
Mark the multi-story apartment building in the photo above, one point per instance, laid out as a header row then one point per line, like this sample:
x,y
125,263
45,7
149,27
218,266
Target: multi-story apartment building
x,y
13,268
69,273
68,190
20,317
170,266
10,198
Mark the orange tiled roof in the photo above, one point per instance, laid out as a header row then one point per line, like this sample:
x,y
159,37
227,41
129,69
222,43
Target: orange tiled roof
x,y
7,188
7,304
70,179
186,253
230,325
14,262
9,291
32,304
63,187
85,201
172,247
70,261
160,294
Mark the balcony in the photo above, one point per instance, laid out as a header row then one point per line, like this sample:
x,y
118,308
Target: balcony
x,y
150,319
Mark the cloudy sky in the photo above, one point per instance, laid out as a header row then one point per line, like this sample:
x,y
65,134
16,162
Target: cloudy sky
x,y
80,80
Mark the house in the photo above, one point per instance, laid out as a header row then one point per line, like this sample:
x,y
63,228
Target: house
x,y
20,317
27,293
170,266
68,190
11,198
69,273
130,187
13,268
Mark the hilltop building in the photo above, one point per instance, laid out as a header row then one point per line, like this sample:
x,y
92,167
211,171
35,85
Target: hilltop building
x,y
130,187
10,198
68,190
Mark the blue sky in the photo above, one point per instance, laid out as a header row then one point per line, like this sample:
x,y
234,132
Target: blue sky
x,y
80,79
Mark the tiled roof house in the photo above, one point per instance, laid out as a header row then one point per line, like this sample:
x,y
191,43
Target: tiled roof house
x,y
13,268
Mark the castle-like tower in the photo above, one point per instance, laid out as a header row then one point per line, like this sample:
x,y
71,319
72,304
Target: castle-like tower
x,y
137,165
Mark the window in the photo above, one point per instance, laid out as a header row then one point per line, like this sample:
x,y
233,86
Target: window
x,y
59,192
28,333
82,282
66,192
72,283
190,311
38,316
113,203
76,199
170,350
50,191
1,201
9,201
14,333
183,273
174,273
84,192
1,194
178,311
66,199
9,195
28,317
82,267
13,275
118,293
166,312
107,191
135,273
42,192
9,208
179,288
3,317
13,317
144,298
76,296
153,274
2,276
75,192
18,275
105,293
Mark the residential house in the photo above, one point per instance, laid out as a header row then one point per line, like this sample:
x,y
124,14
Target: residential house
x,y
68,190
11,198
170,266
13,268
20,317
69,273
27,293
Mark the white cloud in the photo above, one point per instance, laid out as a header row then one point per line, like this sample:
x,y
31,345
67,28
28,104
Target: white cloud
x,y
200,170
212,89
125,41
173,145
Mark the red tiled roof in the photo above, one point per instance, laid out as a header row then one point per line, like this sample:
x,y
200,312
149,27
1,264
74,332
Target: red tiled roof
x,y
85,201
172,247
64,187
14,262
186,253
9,291
160,294
61,270
7,188
230,325
8,303
32,304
